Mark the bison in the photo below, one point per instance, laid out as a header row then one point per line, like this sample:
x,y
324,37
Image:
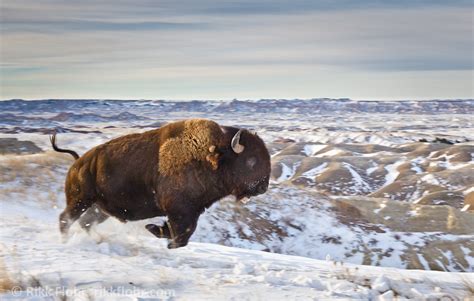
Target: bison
x,y
177,171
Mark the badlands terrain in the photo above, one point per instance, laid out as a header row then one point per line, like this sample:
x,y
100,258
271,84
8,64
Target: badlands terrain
x,y
388,184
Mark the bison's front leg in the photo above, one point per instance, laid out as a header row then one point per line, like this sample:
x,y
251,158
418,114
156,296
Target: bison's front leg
x,y
159,231
178,230
181,228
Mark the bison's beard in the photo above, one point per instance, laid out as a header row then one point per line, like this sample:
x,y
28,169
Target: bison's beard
x,y
245,195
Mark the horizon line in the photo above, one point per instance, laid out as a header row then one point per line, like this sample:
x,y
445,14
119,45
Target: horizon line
x,y
237,99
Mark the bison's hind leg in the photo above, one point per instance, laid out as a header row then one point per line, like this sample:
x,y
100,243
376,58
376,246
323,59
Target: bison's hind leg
x,y
93,216
72,213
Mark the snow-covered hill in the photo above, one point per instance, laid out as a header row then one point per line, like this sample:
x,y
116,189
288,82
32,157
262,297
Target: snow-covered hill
x,y
127,263
294,217
379,184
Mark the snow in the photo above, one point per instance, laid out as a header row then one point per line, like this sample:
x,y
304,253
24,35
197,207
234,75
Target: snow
x,y
423,261
131,265
444,161
376,211
315,171
370,170
430,179
224,259
392,172
286,172
467,251
381,284
359,181
312,149
415,164
123,260
416,169
469,190
387,296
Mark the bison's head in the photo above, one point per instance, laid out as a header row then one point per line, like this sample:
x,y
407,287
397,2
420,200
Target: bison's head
x,y
248,164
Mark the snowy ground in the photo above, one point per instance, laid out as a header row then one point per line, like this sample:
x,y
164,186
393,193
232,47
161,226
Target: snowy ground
x,y
347,189
129,264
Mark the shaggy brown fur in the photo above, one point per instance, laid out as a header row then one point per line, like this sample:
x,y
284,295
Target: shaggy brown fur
x,y
197,141
178,170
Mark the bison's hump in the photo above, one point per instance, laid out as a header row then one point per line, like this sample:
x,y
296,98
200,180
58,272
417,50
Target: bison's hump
x,y
195,142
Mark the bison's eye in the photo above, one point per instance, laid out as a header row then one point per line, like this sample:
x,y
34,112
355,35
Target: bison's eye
x,y
251,162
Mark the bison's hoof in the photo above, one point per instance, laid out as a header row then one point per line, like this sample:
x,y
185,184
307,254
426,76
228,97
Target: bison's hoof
x,y
150,227
156,230
175,245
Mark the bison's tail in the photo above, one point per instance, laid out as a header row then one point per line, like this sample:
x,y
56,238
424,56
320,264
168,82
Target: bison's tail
x,y
60,150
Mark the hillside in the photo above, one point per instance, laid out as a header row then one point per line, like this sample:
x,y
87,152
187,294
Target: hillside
x,y
363,198
123,260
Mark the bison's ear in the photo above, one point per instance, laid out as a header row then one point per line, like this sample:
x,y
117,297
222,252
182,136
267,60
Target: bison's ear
x,y
213,157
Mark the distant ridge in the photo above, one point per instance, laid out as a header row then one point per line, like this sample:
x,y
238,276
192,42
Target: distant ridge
x,y
244,100
297,106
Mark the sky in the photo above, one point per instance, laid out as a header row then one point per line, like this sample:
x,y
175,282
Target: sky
x,y
244,49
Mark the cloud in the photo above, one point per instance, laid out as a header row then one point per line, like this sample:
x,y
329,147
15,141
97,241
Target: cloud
x,y
159,47
81,25
149,9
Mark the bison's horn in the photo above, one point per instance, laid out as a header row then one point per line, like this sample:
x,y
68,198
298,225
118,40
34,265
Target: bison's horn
x,y
236,146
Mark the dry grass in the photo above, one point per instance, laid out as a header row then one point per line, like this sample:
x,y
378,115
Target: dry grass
x,y
17,280
39,177
26,166
6,283
469,285
351,275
